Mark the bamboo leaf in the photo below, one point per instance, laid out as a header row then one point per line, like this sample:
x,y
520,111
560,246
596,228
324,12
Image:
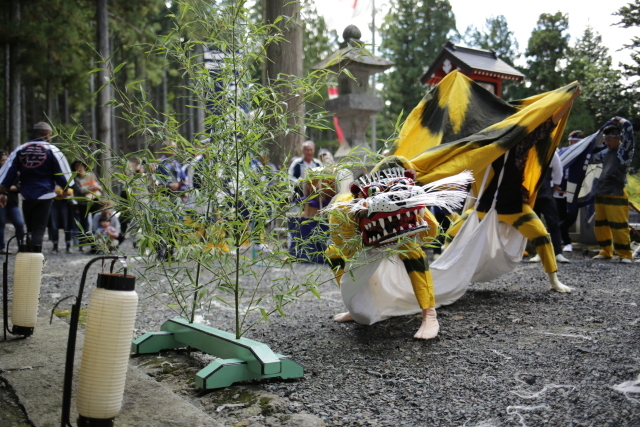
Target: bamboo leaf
x,y
119,67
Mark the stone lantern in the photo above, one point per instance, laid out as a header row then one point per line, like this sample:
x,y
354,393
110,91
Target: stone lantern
x,y
355,104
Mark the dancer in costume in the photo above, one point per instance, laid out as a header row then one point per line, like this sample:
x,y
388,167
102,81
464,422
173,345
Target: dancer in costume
x,y
515,140
596,170
442,137
512,199
612,204
385,209
546,207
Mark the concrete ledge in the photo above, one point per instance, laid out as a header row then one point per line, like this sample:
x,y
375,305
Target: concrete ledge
x,y
34,368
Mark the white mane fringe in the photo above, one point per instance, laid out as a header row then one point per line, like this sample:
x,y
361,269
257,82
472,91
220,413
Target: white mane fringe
x,y
448,193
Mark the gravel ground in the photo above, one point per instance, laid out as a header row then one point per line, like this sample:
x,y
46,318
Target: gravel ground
x,y
510,353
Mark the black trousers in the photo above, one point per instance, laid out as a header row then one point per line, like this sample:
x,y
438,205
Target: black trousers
x,y
36,218
82,213
567,219
547,208
61,216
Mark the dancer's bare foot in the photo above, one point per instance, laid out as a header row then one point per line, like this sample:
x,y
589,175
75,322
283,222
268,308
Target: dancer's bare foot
x,y
430,327
343,317
556,285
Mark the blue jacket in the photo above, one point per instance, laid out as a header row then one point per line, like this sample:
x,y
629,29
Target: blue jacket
x,y
170,171
41,165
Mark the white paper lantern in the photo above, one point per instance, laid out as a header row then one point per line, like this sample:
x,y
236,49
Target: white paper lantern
x,y
27,278
107,345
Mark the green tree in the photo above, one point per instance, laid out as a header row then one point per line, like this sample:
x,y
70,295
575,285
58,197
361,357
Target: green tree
x,y
603,93
53,54
57,41
497,36
183,251
546,48
413,34
318,41
629,18
317,44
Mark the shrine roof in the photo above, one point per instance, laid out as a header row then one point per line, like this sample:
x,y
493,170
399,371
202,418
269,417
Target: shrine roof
x,y
470,60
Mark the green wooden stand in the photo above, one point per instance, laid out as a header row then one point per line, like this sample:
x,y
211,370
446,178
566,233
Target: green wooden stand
x,y
243,359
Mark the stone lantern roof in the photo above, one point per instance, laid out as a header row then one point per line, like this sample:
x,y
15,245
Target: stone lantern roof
x,y
355,104
353,56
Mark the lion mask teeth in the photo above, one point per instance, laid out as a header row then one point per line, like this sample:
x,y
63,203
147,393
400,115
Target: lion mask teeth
x,y
385,228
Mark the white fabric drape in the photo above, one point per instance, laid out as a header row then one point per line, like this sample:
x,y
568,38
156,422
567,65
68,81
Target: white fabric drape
x,y
377,286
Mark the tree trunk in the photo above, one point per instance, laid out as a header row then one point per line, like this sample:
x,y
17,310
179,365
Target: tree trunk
x,y
34,105
115,146
114,133
23,105
15,111
200,112
104,96
92,89
190,117
286,58
7,91
65,102
49,97
165,93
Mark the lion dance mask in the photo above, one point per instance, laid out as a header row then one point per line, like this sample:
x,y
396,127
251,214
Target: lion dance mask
x,y
389,209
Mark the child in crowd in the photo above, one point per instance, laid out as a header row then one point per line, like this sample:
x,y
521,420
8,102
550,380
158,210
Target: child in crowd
x,y
107,234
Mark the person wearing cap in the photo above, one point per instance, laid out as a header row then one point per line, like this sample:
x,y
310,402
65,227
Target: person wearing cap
x,y
611,202
41,166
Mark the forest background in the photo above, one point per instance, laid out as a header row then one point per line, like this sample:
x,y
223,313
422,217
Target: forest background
x,y
49,49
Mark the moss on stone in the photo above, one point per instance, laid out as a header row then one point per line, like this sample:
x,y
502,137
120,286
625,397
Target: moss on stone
x,y
234,395
65,313
265,406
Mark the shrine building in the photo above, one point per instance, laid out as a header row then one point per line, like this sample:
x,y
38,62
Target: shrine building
x,y
482,66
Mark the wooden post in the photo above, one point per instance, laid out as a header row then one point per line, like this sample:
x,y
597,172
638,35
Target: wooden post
x,y
104,96
286,58
15,111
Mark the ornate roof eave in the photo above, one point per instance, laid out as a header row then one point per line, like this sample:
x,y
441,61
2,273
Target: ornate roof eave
x,y
446,53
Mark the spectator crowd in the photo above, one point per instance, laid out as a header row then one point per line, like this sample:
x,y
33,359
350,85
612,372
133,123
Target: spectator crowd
x,y
58,196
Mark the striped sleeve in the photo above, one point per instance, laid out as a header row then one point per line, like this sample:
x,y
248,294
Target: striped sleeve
x,y
62,171
626,149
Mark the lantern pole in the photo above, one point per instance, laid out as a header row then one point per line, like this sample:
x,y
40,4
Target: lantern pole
x,y
5,288
71,343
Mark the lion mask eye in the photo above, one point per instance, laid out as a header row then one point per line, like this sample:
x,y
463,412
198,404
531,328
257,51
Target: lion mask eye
x,y
373,190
